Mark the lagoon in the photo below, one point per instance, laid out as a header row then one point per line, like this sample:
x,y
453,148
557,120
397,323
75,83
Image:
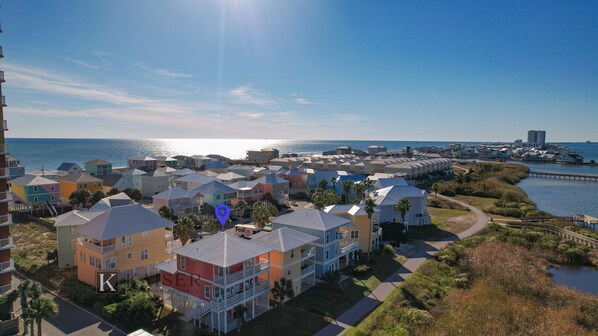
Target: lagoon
x,y
583,279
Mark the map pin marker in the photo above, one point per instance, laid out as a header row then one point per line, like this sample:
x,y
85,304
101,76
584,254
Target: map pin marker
x,y
222,213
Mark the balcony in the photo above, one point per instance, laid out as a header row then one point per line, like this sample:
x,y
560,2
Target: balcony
x,y
248,271
232,301
5,289
2,77
308,253
94,246
348,246
7,266
1,53
7,243
5,220
4,172
3,149
309,269
5,196
4,122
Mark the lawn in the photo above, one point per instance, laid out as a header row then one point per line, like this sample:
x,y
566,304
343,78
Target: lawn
x,y
482,203
309,309
445,223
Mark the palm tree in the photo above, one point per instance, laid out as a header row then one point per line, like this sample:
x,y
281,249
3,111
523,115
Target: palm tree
x,y
334,180
240,207
166,212
367,183
323,184
459,178
195,220
347,187
359,190
212,224
403,206
183,228
42,308
96,197
369,207
136,195
436,189
24,291
35,292
283,289
112,192
239,314
262,213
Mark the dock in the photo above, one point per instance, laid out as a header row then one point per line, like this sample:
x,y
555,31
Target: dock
x,y
563,176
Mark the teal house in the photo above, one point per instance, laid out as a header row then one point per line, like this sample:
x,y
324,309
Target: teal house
x,y
33,189
98,168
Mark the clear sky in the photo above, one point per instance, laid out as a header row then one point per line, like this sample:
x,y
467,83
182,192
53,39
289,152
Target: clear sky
x,y
301,69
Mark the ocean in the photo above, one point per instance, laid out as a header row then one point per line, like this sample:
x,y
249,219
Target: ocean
x,y
559,197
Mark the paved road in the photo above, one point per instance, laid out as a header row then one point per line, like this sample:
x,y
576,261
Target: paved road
x,y
72,320
362,308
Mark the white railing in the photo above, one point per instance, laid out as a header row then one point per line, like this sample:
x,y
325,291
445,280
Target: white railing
x,y
6,243
344,235
101,249
347,246
308,253
308,270
5,124
231,301
4,172
5,196
7,265
249,271
3,101
5,220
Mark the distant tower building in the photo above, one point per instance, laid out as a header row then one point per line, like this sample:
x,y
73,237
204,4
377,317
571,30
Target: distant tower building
x,y
536,138
372,150
6,242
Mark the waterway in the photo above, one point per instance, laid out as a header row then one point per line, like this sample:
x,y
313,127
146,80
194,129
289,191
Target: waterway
x,y
583,279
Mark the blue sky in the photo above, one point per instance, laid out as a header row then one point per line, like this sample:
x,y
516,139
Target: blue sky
x,y
395,70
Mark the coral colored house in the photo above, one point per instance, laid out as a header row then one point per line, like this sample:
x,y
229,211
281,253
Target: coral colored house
x,y
212,276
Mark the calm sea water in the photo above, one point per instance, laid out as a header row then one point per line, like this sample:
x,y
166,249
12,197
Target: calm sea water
x,y
583,279
559,197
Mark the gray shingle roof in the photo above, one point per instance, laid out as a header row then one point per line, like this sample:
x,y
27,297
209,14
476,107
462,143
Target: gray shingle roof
x,y
177,193
311,219
283,239
80,178
122,221
222,250
32,180
211,187
111,180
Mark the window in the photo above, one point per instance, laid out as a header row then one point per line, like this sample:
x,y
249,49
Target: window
x,y
218,197
130,240
110,263
123,241
82,256
129,255
51,188
144,254
35,199
354,234
327,254
206,291
289,272
144,234
34,188
336,235
52,197
292,253
327,239
183,262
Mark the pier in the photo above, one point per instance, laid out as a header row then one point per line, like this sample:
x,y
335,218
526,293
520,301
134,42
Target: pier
x,y
562,176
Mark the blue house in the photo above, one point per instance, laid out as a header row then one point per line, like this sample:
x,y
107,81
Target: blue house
x,y
334,249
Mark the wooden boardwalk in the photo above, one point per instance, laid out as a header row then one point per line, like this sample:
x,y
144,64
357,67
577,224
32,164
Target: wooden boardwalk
x,y
562,176
570,235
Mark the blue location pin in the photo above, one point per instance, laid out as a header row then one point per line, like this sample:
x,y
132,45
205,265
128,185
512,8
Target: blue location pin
x,y
222,213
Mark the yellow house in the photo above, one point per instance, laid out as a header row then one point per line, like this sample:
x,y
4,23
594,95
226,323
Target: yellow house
x,y
129,238
74,182
293,257
360,225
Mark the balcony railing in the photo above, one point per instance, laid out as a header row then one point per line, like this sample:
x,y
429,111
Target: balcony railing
x,y
231,301
248,271
348,246
7,266
101,249
5,289
308,253
4,172
308,269
6,243
5,124
3,101
2,77
3,149
5,220
5,196
1,53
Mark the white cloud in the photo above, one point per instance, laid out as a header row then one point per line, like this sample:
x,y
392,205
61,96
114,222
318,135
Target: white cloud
x,y
299,99
82,63
162,72
247,94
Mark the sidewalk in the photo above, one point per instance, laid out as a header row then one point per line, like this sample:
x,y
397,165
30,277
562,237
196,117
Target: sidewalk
x,y
365,306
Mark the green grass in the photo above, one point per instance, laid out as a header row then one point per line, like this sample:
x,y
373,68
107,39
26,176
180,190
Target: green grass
x,y
305,314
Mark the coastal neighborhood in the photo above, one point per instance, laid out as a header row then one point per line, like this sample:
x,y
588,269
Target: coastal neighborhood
x,y
263,168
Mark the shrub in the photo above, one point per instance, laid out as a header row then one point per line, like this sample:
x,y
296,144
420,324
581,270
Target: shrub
x,y
78,292
388,249
418,317
361,270
332,278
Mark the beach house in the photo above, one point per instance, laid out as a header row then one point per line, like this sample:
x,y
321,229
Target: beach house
x,y
128,238
133,175
275,186
31,189
386,200
65,225
117,181
75,182
193,181
212,276
293,257
181,201
154,182
142,162
229,178
360,224
14,167
98,167
333,251
262,156
248,191
70,168
215,193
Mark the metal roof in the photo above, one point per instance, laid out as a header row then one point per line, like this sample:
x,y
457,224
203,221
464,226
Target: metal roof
x,y
75,217
283,239
311,219
79,178
222,250
32,180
